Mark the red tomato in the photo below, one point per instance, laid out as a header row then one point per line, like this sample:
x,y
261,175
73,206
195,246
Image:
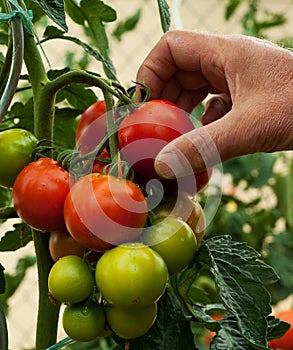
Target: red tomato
x,y
39,193
286,341
143,133
91,127
102,211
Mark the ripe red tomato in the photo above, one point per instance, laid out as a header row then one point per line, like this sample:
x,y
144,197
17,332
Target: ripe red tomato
x,y
39,193
91,127
143,133
286,341
101,211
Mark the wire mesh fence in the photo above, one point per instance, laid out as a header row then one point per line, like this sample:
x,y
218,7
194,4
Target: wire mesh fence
x,y
127,55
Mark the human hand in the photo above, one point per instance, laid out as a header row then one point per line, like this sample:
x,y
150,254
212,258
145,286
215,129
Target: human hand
x,y
252,107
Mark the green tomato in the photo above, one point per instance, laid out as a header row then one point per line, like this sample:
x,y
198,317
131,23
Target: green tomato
x,y
83,322
131,275
131,323
174,240
16,147
70,280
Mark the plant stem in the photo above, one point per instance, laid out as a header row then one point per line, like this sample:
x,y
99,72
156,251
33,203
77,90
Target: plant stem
x,y
48,313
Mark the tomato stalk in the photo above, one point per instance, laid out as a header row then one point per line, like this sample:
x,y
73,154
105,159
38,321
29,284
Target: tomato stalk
x,y
48,313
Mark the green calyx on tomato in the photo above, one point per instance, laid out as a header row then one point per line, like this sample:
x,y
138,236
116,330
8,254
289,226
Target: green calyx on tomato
x,y
131,323
70,280
174,240
131,275
16,151
39,193
102,211
83,321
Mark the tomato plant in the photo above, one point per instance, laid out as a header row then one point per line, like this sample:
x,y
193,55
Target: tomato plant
x,y
83,321
131,275
286,341
39,193
61,243
16,151
174,240
70,280
101,211
131,323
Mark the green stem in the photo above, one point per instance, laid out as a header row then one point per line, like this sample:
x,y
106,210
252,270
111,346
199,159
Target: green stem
x,y
48,313
111,130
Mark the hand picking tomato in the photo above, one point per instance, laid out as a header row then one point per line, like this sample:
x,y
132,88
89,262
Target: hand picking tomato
x,y
143,133
286,341
91,127
39,193
131,275
101,211
16,147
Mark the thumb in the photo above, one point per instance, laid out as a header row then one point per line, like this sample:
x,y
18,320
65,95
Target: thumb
x,y
205,147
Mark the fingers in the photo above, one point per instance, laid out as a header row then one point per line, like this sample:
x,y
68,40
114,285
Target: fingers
x,y
216,108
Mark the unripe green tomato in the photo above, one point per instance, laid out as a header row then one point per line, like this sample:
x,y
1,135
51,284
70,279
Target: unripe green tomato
x,y
16,147
83,322
70,280
131,323
131,275
174,240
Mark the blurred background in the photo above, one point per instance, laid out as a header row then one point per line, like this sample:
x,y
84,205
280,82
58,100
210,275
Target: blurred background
x,y
256,188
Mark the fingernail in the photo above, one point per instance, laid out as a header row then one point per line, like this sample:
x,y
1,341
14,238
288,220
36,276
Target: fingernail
x,y
168,165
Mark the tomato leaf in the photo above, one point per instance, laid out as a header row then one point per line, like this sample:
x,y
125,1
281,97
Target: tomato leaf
x,y
127,25
240,279
54,10
5,197
12,281
280,253
276,327
17,238
170,331
52,32
231,8
96,13
164,15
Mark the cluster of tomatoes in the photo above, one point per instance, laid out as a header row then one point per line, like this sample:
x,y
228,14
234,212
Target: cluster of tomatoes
x,y
113,246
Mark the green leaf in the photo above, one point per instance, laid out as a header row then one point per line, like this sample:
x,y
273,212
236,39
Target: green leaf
x,y
96,13
127,25
231,8
17,238
280,253
78,96
5,197
52,32
165,15
54,10
170,331
74,11
240,277
64,128
13,281
276,327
